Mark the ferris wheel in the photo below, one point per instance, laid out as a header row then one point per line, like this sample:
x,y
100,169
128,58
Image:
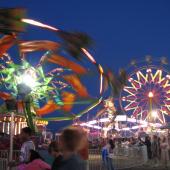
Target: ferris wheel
x,y
147,93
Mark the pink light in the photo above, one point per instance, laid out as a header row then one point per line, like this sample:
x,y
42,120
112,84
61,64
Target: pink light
x,y
101,77
144,125
83,124
121,118
106,128
168,76
131,120
39,24
130,79
96,127
101,83
126,128
154,114
95,121
91,126
104,120
124,98
117,129
150,94
92,122
135,127
89,55
142,122
148,70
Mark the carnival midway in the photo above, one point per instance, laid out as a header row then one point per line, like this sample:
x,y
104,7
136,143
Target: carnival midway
x,y
128,129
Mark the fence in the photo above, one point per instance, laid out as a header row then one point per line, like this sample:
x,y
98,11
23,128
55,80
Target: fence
x,y
3,164
4,158
95,159
123,158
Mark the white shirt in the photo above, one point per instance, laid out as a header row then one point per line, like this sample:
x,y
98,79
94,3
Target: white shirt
x,y
25,150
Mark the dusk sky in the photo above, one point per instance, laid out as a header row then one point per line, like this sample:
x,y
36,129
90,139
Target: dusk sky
x,y
121,29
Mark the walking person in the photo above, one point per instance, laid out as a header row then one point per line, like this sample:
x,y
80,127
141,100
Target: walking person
x,y
84,149
155,151
70,144
27,145
110,155
159,148
107,155
148,145
164,151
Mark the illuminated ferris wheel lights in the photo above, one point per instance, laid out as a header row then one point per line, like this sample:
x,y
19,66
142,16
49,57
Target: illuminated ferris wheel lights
x,y
149,70
147,85
92,122
135,127
130,79
104,120
150,94
123,99
168,76
154,114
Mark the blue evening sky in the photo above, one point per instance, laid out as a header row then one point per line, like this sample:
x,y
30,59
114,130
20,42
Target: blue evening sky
x,y
121,29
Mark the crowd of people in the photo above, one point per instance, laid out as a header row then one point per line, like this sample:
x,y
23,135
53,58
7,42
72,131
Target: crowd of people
x,y
158,149
70,153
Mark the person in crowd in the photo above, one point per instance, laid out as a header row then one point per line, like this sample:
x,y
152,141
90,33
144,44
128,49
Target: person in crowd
x,y
110,155
132,141
83,151
139,142
27,145
159,148
164,151
70,143
168,139
148,145
35,163
155,150
55,152
107,155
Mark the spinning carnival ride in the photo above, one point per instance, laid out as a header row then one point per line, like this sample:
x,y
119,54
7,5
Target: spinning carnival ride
x,y
147,93
54,82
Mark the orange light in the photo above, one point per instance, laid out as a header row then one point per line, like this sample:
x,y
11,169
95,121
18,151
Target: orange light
x,y
101,69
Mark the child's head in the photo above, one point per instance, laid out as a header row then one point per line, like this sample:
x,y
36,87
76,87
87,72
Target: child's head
x,y
26,133
71,140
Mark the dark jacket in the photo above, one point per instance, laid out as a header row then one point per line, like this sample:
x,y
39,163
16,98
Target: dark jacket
x,y
57,162
73,163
